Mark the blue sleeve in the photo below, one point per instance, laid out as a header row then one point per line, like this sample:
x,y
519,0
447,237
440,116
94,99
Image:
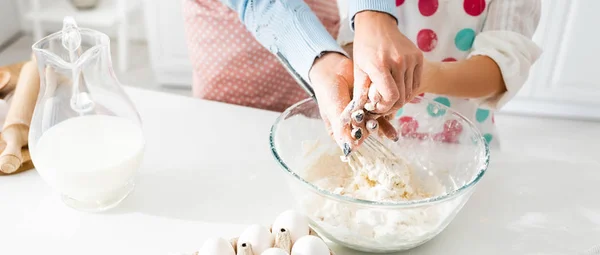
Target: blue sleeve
x,y
288,28
385,6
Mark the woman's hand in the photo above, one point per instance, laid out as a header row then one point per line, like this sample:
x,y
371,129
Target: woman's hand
x,y
332,80
387,65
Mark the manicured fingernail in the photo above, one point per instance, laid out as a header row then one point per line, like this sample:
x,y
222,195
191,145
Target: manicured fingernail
x,y
372,124
356,133
346,149
358,116
370,106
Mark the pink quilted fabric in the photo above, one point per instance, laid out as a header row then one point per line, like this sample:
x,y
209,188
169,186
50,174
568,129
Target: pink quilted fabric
x,y
231,66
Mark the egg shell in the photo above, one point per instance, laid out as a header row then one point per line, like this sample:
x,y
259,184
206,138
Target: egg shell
x,y
274,251
258,236
216,246
295,222
310,245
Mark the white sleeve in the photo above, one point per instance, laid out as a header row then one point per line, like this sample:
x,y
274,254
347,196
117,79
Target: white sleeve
x,y
506,38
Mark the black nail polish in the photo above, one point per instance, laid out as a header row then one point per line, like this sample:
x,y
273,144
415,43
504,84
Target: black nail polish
x,y
347,149
357,133
359,116
396,139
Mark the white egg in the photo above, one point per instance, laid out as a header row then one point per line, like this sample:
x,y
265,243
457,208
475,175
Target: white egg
x,y
216,246
310,245
274,251
294,222
258,236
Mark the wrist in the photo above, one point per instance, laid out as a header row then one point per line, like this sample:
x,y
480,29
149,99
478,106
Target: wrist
x,y
366,17
432,77
324,63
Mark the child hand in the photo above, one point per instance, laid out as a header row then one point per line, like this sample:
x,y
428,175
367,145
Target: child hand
x,y
387,71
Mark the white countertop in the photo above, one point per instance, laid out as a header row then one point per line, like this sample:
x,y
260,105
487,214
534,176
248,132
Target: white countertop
x,y
208,170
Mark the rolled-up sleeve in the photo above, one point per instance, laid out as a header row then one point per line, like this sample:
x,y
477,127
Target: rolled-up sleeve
x,y
286,27
506,38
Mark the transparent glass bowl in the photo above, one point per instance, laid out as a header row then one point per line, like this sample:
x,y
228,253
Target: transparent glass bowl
x,y
442,147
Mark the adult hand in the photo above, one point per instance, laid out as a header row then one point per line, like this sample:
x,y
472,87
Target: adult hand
x,y
387,65
332,81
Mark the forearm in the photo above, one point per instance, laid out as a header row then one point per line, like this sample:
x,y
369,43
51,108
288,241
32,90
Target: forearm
x,y
476,77
286,27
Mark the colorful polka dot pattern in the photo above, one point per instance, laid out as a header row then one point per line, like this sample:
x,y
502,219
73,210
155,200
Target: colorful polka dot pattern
x,y
445,31
464,39
449,59
474,7
482,115
428,7
436,111
399,112
231,66
488,138
426,40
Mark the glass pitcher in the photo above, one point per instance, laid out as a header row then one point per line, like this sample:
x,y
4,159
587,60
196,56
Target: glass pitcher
x,y
85,137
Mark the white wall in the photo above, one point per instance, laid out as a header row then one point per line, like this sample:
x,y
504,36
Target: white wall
x,y
9,20
136,22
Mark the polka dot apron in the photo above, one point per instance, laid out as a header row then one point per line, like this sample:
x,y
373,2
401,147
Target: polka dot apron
x,y
445,30
230,66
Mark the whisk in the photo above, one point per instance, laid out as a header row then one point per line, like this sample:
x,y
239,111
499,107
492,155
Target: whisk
x,y
371,146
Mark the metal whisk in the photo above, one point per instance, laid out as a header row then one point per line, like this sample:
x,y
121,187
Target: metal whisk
x,y
356,159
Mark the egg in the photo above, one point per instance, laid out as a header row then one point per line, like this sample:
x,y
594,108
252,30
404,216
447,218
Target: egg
x,y
310,245
274,251
295,222
258,236
216,246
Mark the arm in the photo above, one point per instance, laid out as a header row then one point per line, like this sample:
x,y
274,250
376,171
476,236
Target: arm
x,y
476,77
500,61
288,27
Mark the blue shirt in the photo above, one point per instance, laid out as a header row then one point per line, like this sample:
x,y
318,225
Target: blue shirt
x,y
290,28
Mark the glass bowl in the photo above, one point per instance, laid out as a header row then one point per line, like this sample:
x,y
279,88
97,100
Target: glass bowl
x,y
446,152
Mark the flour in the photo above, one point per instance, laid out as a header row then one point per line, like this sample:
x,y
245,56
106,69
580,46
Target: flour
x,y
378,179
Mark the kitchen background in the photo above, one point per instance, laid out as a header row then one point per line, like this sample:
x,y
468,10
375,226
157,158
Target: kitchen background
x,y
559,106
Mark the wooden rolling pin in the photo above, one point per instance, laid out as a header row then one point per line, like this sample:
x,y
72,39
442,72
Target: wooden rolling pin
x,y
9,76
18,118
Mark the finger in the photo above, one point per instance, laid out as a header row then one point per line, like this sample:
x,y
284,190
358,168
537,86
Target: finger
x,y
372,126
409,83
361,87
373,99
358,117
342,135
359,133
396,107
417,75
359,94
387,129
399,75
384,84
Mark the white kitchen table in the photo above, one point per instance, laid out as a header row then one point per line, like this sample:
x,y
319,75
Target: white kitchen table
x,y
208,171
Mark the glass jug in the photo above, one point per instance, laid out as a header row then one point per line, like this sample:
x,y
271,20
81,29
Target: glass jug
x,y
85,137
